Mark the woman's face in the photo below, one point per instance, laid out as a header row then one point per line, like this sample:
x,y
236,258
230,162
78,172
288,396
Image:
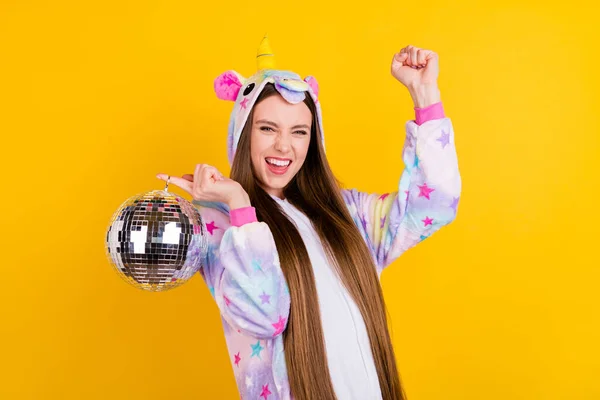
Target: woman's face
x,y
279,142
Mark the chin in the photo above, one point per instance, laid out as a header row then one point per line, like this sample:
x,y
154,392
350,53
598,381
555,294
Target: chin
x,y
277,183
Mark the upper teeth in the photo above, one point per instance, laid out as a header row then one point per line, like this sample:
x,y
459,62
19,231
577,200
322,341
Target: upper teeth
x,y
279,162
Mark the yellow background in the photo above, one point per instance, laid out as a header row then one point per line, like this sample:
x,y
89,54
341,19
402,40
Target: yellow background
x,y
96,98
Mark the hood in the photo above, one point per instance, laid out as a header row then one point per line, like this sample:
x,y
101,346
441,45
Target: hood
x,y
232,86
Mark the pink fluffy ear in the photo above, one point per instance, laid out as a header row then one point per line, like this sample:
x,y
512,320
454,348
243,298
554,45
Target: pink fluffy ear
x,y
228,85
313,84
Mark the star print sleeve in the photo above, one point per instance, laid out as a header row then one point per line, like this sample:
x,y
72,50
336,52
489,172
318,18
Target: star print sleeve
x,y
427,196
251,292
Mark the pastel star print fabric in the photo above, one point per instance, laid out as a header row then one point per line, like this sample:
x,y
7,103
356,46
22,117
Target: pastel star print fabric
x,y
427,197
243,273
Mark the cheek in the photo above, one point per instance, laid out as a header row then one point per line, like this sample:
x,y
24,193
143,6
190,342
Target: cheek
x,y
302,149
258,145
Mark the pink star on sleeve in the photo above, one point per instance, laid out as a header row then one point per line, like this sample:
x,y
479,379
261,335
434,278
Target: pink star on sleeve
x,y
237,359
265,391
424,191
210,227
279,326
227,301
427,221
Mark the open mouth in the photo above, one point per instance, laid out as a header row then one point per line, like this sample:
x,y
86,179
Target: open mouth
x,y
278,166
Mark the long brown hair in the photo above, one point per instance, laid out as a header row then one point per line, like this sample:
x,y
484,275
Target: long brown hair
x,y
316,192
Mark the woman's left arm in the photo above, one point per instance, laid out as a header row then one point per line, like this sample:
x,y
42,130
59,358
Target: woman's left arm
x,y
430,184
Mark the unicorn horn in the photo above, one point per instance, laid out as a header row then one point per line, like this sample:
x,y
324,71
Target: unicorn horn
x,y
265,59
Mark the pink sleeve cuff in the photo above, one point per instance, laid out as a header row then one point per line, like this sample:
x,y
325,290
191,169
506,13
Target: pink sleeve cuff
x,y
241,216
433,111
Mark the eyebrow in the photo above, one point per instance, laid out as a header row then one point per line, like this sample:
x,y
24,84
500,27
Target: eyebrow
x,y
267,122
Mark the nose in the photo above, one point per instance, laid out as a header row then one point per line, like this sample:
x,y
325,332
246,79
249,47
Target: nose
x,y
283,142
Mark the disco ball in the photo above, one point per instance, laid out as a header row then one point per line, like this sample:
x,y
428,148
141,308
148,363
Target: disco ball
x,y
156,240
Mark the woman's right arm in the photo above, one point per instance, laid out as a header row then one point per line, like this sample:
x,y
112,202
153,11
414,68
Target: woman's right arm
x,y
241,267
246,278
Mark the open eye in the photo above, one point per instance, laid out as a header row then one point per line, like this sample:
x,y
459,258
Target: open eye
x,y
248,89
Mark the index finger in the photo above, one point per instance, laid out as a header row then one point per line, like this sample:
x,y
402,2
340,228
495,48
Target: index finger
x,y
182,183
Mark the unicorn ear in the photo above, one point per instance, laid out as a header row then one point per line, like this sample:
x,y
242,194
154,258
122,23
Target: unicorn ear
x,y
228,84
313,85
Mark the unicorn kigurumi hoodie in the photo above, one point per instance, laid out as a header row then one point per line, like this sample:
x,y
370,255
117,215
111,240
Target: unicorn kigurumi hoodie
x,y
241,267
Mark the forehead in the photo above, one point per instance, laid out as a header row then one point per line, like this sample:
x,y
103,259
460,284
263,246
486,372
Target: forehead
x,y
276,109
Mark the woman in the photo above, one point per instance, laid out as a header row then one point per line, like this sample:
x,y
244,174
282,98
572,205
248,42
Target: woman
x,y
294,261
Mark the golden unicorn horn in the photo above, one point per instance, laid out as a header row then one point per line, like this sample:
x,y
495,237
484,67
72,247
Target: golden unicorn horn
x,y
265,59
